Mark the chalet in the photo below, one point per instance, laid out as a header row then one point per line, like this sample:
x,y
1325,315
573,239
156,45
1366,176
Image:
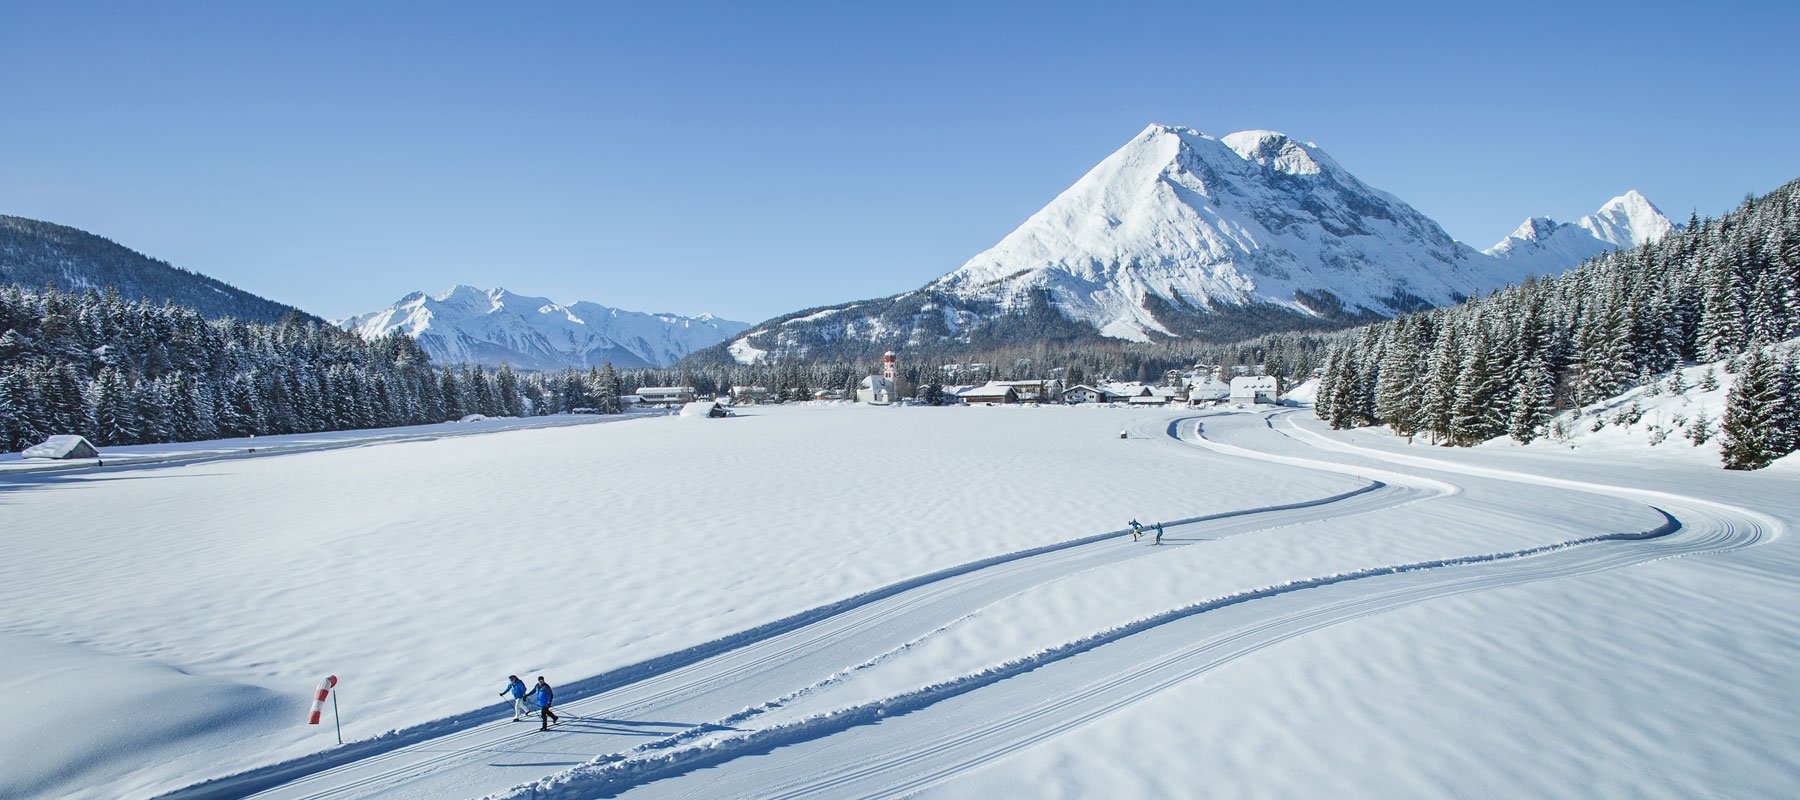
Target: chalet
x,y
704,409
61,447
1032,391
991,394
666,395
749,395
1256,389
1091,394
1207,390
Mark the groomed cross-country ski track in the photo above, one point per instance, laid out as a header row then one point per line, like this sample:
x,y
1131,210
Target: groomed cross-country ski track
x,y
685,724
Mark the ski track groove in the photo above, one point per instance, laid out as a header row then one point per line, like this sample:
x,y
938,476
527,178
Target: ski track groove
x,y
759,652
453,731
1718,535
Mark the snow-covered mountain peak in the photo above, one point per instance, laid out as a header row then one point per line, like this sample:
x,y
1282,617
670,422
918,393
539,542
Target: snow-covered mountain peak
x,y
1544,246
1178,222
1277,151
1181,233
498,326
1534,229
1628,220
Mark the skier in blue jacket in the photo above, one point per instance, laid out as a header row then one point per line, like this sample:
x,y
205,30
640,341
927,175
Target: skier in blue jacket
x,y
1136,529
516,688
542,695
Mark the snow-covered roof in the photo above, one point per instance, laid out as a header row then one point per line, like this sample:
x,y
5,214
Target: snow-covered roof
x,y
989,389
61,446
699,408
1255,383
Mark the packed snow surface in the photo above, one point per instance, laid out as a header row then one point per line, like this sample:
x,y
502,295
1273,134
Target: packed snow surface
x,y
853,601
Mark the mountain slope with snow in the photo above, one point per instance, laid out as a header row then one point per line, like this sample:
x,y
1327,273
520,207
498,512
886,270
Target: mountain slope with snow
x,y
497,327
35,254
1183,234
1543,245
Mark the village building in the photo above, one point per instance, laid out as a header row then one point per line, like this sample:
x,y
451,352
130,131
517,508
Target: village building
x,y
666,395
875,390
1084,393
62,447
1207,390
1256,389
1039,391
991,394
749,395
880,389
704,409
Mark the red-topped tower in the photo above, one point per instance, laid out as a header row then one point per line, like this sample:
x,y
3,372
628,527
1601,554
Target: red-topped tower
x,y
887,368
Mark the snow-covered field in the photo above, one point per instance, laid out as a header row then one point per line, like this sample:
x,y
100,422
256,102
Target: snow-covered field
x,y
854,601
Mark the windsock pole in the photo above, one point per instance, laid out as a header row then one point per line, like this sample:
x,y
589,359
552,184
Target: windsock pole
x,y
318,706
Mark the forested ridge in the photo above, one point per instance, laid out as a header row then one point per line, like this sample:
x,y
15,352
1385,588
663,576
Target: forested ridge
x,y
126,372
1722,289
40,254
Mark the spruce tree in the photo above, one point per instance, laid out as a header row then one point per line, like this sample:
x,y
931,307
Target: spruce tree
x,y
1397,391
1749,439
1478,389
114,409
1531,406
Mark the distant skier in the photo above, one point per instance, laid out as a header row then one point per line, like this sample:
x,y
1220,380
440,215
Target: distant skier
x,y
542,695
516,688
1136,530
1158,533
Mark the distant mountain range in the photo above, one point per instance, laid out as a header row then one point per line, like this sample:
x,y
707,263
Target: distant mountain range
x,y
495,327
1181,234
1547,246
1178,234
36,254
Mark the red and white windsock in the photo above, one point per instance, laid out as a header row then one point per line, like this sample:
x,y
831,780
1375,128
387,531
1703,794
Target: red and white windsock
x,y
320,697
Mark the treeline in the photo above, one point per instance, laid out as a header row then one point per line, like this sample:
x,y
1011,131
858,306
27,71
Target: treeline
x,y
126,372
1721,289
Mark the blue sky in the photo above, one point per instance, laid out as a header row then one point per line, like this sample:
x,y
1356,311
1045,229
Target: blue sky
x,y
750,159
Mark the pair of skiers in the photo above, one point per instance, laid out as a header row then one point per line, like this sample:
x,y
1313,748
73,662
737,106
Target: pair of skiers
x,y
540,696
1137,531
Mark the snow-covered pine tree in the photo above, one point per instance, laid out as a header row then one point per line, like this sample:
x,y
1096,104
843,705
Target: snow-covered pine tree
x,y
1749,439
1437,407
1721,315
1531,406
450,389
506,392
1478,388
1397,390
612,400
1786,415
113,408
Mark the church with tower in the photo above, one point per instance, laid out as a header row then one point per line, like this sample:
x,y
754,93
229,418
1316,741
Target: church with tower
x,y
880,389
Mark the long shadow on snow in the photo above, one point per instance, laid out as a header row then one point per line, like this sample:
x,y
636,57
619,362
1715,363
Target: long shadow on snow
x,y
268,777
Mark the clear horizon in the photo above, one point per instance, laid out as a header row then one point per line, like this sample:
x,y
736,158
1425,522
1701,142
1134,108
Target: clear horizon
x,y
748,161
